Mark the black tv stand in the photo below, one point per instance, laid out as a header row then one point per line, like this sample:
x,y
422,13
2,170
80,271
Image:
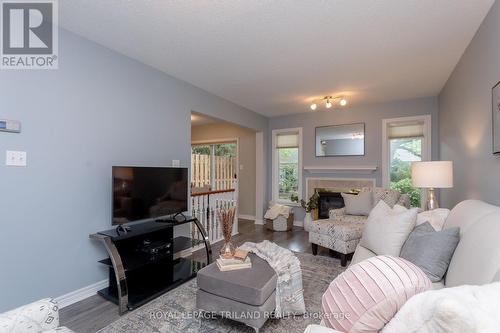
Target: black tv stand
x,y
142,261
184,217
122,229
171,221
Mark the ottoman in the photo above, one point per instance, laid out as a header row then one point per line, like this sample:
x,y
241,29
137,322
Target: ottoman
x,y
245,295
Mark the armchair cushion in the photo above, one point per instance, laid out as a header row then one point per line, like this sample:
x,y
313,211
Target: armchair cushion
x,y
334,213
358,204
345,228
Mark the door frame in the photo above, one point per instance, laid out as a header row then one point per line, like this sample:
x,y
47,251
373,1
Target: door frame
x,y
237,189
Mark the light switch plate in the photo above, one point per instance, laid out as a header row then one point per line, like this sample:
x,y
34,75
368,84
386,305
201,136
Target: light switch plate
x,y
15,158
176,163
12,126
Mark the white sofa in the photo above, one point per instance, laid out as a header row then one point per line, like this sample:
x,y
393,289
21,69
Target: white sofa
x,y
36,317
476,260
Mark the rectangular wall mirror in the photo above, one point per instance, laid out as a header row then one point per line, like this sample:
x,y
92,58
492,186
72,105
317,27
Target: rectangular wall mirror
x,y
340,140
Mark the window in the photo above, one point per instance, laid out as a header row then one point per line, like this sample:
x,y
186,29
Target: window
x,y
407,140
287,164
214,166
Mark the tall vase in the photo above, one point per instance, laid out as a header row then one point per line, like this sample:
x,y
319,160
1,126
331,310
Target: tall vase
x,y
226,218
307,221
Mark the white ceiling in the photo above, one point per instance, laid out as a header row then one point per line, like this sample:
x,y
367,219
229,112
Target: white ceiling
x,y
198,119
274,57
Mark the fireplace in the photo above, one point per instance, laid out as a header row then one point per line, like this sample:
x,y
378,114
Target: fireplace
x,y
327,201
329,190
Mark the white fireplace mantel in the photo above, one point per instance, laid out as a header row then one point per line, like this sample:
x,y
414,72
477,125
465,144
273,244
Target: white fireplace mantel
x,y
361,169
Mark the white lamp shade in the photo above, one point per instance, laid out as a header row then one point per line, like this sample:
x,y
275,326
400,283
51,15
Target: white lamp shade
x,y
435,174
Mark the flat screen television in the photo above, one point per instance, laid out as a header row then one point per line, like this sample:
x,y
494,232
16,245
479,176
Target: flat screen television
x,y
148,193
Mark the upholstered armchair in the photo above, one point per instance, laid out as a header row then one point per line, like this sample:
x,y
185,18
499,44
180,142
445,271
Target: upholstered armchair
x,y
341,232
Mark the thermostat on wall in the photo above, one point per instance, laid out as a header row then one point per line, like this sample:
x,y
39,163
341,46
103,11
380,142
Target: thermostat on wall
x,y
13,126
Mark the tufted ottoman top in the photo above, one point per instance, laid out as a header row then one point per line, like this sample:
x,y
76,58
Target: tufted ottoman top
x,y
251,286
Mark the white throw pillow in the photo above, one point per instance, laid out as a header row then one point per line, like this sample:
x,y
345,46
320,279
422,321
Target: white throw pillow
x,y
461,309
435,217
387,229
358,204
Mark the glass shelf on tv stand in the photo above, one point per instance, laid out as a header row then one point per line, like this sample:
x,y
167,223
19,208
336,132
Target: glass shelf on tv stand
x,y
138,259
124,264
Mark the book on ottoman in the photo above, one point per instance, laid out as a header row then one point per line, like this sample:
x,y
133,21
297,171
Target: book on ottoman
x,y
240,254
233,264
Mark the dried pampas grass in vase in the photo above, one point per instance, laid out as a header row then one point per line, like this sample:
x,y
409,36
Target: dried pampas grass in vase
x,y
226,219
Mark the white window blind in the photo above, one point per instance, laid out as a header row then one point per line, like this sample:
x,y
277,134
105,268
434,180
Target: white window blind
x,y
287,140
400,131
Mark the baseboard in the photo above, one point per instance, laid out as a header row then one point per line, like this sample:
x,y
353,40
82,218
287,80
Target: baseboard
x,y
81,294
298,223
260,222
246,217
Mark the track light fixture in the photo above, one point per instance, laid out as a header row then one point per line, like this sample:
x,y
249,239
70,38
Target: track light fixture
x,y
329,101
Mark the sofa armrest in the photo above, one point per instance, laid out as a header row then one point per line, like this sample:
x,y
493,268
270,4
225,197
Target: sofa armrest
x,y
42,314
333,213
319,329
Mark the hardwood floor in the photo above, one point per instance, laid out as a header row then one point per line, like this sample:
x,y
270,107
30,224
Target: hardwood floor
x,y
94,313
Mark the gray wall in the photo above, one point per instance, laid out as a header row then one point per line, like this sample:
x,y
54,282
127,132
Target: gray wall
x,y
372,116
99,109
465,118
246,156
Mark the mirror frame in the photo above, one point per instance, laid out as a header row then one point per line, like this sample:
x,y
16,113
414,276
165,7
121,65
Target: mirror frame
x,y
340,125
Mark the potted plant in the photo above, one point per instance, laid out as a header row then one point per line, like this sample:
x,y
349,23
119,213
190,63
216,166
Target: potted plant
x,y
308,206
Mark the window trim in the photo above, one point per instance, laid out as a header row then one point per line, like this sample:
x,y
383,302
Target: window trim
x,y
275,170
426,153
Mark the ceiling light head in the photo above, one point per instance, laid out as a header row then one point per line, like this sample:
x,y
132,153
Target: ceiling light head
x,y
343,101
314,106
328,104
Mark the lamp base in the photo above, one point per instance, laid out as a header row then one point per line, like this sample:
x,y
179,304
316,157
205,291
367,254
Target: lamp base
x,y
432,202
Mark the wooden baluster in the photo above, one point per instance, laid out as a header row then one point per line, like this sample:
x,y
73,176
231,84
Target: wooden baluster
x,y
217,222
217,172
213,216
200,216
193,210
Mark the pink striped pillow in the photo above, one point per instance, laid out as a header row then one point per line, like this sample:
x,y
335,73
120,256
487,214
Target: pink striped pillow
x,y
367,295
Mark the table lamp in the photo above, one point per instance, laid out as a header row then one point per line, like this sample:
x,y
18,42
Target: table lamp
x,y
432,175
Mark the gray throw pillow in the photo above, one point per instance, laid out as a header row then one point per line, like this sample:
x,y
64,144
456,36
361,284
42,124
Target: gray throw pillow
x,y
358,204
431,250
